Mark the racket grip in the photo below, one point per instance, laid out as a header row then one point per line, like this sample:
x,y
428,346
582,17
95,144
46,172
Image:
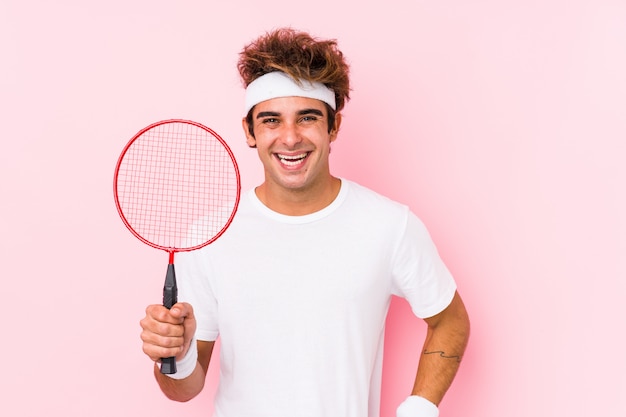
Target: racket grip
x,y
170,289
168,365
170,297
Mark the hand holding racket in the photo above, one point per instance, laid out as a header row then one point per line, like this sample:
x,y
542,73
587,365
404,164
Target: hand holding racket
x,y
176,188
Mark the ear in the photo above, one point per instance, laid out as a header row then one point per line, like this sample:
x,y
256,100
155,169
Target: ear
x,y
335,130
250,140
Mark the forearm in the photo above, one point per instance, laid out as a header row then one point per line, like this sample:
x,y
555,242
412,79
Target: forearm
x,y
184,389
181,389
443,351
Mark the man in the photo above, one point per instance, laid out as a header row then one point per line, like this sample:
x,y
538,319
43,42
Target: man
x,y
299,286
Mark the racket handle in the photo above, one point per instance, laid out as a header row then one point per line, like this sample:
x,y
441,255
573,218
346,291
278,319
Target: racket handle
x,y
170,297
170,289
168,365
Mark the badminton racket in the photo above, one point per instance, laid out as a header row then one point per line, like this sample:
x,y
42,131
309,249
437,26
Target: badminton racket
x,y
177,189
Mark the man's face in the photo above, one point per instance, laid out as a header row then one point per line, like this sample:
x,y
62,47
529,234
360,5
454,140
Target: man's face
x,y
292,139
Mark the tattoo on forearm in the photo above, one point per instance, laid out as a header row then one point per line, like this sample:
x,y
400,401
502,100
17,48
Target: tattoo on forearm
x,y
442,354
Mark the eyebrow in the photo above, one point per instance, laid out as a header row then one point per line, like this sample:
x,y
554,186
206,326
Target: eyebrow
x,y
310,111
267,114
302,112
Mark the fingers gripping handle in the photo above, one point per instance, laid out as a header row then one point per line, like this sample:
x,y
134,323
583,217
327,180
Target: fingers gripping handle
x,y
170,297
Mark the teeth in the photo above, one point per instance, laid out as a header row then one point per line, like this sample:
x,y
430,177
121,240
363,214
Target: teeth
x,y
291,159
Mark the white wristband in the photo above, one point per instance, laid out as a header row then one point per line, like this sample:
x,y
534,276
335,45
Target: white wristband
x,y
186,365
416,406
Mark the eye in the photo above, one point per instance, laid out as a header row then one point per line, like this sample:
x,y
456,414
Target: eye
x,y
309,118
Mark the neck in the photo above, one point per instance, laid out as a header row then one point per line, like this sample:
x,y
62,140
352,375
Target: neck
x,y
298,202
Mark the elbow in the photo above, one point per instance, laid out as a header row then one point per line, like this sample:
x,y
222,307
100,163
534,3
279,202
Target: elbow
x,y
181,397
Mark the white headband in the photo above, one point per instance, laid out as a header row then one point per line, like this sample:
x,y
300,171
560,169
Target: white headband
x,y
278,84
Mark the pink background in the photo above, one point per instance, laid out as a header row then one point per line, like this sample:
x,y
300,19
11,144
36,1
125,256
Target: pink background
x,y
501,123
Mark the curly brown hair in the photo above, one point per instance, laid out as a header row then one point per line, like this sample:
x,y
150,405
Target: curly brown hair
x,y
299,55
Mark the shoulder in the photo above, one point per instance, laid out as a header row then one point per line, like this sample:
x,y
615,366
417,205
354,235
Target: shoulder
x,y
372,200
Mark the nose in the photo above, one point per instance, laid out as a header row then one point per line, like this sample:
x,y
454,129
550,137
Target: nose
x,y
290,135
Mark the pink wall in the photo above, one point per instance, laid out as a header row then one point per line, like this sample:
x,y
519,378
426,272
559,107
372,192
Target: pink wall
x,y
501,123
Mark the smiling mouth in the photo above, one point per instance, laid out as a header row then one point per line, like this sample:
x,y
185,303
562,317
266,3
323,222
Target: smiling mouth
x,y
292,160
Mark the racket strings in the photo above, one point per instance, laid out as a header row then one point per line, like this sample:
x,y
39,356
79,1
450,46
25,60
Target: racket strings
x,y
177,185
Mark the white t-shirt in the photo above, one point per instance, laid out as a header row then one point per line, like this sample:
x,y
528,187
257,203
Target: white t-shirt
x,y
300,302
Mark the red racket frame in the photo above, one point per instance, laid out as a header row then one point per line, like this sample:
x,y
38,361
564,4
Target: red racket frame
x,y
171,250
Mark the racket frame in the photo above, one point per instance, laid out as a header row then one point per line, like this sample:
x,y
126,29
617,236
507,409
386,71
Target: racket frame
x,y
172,250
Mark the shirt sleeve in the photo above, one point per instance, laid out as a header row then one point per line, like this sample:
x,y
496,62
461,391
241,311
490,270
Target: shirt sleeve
x,y
194,287
419,274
